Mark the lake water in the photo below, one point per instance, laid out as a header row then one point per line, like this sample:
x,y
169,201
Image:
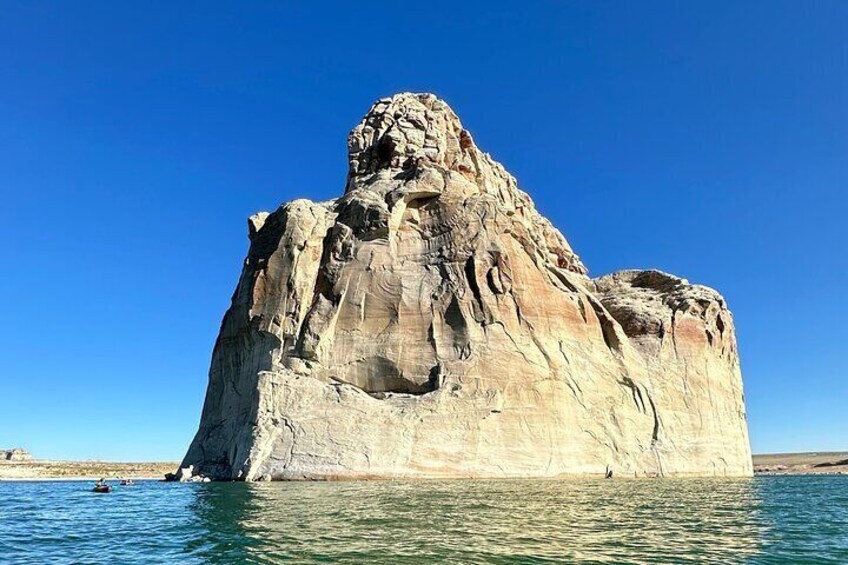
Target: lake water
x,y
765,520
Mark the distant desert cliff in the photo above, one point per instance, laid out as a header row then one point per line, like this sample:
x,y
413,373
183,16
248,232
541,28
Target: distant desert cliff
x,y
431,323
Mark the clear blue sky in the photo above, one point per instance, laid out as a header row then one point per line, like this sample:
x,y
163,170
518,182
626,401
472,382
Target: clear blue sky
x,y
708,139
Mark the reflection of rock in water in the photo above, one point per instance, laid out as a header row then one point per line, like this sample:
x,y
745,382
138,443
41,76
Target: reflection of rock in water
x,y
221,511
591,521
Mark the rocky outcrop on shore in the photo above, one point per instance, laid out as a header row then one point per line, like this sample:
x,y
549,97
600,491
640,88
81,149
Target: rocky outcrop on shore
x,y
431,323
15,454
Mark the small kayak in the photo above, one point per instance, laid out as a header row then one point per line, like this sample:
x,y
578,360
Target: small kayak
x,y
104,488
127,483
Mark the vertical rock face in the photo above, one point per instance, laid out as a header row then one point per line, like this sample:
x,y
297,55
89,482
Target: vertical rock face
x,y
430,322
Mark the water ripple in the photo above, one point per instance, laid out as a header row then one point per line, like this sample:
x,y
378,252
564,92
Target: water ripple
x,y
774,520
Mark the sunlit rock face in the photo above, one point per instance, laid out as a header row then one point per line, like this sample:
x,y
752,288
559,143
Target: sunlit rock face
x,y
431,323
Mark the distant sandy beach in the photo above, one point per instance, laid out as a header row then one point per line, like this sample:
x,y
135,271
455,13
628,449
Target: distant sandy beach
x,y
82,470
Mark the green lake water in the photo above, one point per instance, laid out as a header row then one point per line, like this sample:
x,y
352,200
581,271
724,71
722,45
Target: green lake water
x,y
764,520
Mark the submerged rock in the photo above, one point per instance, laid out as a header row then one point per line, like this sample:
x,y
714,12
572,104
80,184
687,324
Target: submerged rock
x,y
431,323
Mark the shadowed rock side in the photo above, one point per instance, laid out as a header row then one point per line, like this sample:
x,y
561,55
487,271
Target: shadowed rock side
x,y
431,323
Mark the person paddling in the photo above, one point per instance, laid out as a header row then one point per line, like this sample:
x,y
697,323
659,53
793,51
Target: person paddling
x,y
101,486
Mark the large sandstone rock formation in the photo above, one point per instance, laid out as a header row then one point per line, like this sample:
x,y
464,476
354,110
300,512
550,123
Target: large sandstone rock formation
x,y
431,323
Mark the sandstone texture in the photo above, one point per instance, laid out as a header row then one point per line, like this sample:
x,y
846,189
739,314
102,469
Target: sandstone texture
x,y
431,323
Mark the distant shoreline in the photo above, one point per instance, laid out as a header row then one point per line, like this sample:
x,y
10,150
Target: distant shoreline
x,y
53,470
73,479
813,463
